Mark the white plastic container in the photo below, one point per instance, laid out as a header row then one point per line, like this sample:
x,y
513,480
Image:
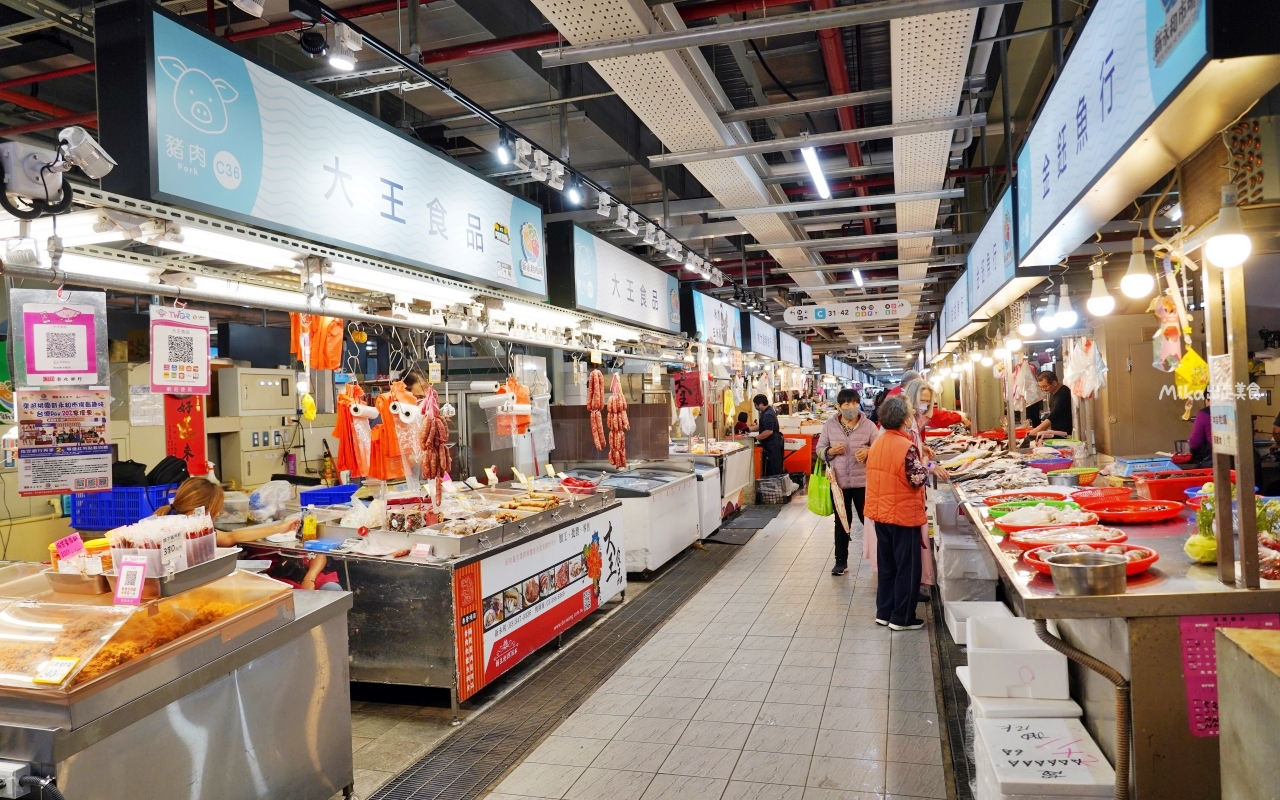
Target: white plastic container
x,y
1029,759
964,557
958,612
1007,659
1016,707
966,589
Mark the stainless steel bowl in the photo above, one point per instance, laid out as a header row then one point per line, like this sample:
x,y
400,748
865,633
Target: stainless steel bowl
x,y
1081,574
1065,479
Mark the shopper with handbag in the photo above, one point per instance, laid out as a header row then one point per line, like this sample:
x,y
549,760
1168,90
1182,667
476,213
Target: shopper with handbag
x,y
843,447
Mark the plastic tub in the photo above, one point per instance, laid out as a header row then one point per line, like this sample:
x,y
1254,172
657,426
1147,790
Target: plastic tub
x,y
328,495
1047,465
124,505
1170,485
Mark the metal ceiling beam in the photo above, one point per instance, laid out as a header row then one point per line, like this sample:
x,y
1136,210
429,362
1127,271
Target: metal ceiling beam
x,y
847,202
844,242
528,106
837,170
822,139
54,13
838,17
813,104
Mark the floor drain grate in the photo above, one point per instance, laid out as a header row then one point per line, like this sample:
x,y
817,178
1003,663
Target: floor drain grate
x,y
463,766
955,700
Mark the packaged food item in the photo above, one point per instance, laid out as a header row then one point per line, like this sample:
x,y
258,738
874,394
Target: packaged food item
x,y
169,543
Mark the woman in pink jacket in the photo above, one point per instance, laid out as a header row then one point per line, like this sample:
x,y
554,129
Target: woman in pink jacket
x,y
843,444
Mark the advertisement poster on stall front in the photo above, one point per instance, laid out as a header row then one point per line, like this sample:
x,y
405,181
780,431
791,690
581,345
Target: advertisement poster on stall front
x,y
179,350
515,601
64,442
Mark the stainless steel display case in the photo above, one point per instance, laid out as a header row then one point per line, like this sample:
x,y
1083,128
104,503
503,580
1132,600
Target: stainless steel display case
x,y
403,629
253,706
1138,633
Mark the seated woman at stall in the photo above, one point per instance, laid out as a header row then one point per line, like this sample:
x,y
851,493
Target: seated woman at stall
x,y
308,572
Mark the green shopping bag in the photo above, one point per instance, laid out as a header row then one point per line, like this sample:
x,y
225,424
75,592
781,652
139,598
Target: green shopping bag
x,y
820,491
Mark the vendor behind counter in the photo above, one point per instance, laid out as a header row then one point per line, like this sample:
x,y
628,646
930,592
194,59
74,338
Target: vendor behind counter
x,y
201,494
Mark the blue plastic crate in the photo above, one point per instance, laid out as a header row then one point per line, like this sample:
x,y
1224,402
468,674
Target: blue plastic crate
x,y
328,495
124,505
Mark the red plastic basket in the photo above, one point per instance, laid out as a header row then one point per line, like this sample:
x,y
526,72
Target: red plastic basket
x,y
1119,512
1101,494
1013,497
1118,536
1170,485
1020,528
1034,557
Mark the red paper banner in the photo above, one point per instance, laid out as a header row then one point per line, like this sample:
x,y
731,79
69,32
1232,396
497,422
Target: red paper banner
x,y
184,431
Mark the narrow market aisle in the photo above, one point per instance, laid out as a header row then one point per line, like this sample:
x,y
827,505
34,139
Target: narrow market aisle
x,y
773,681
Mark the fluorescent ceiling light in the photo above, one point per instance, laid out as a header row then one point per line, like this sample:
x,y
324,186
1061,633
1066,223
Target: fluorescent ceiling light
x,y
535,314
77,264
815,171
79,228
211,244
377,280
857,277
239,293
866,347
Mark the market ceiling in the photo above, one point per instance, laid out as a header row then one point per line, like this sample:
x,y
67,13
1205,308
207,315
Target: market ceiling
x,y
488,50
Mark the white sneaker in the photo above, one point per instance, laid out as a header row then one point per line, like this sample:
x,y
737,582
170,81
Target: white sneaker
x,y
910,626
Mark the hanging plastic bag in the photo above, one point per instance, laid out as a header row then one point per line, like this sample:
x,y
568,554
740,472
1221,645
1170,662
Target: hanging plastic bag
x,y
820,491
687,423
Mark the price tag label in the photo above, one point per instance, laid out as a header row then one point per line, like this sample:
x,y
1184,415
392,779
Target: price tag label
x,y
131,575
550,470
173,552
449,486
491,475
521,477
422,551
54,671
69,547
474,484
433,373
595,357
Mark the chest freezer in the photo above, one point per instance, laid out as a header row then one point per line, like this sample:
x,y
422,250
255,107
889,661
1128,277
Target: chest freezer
x,y
656,505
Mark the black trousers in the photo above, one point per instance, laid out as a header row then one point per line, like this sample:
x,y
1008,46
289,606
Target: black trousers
x,y
898,555
854,498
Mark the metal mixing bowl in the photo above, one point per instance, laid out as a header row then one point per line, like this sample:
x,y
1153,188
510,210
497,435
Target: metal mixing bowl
x,y
1065,479
1081,574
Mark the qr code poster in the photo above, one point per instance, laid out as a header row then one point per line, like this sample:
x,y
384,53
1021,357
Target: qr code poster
x,y
179,351
61,340
64,441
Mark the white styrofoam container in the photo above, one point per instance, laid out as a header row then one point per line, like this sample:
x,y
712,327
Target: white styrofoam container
x,y
1024,759
1007,659
972,563
1016,707
956,613
966,589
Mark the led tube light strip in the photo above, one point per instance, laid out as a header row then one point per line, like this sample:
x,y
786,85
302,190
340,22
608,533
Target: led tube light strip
x,y
273,300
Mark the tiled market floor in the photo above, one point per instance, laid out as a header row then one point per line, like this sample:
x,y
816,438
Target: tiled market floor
x,y
773,682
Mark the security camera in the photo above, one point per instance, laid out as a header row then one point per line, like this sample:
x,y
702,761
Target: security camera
x,y
81,151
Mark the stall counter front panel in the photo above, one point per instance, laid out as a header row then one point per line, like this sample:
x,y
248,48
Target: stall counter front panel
x,y
509,604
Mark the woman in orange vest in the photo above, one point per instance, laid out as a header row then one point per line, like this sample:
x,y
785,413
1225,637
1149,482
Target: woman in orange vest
x,y
896,474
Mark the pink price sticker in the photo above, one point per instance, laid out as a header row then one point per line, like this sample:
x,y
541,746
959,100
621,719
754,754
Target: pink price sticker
x,y
130,578
69,547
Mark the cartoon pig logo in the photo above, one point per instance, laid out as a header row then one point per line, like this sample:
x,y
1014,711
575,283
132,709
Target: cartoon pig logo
x,y
199,99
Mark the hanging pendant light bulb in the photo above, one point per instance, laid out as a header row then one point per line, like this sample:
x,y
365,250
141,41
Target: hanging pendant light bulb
x,y
1138,281
1026,328
987,361
975,355
1014,344
1067,316
1002,350
1100,302
1229,245
1049,317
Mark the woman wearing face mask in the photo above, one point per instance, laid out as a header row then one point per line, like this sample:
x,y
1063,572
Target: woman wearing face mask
x,y
843,444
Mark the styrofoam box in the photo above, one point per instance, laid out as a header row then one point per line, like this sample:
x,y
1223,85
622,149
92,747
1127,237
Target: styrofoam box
x,y
966,589
1016,707
1039,758
956,614
964,557
1007,659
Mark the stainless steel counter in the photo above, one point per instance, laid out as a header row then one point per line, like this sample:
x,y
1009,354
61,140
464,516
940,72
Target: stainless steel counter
x,y
1175,585
426,622
262,711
